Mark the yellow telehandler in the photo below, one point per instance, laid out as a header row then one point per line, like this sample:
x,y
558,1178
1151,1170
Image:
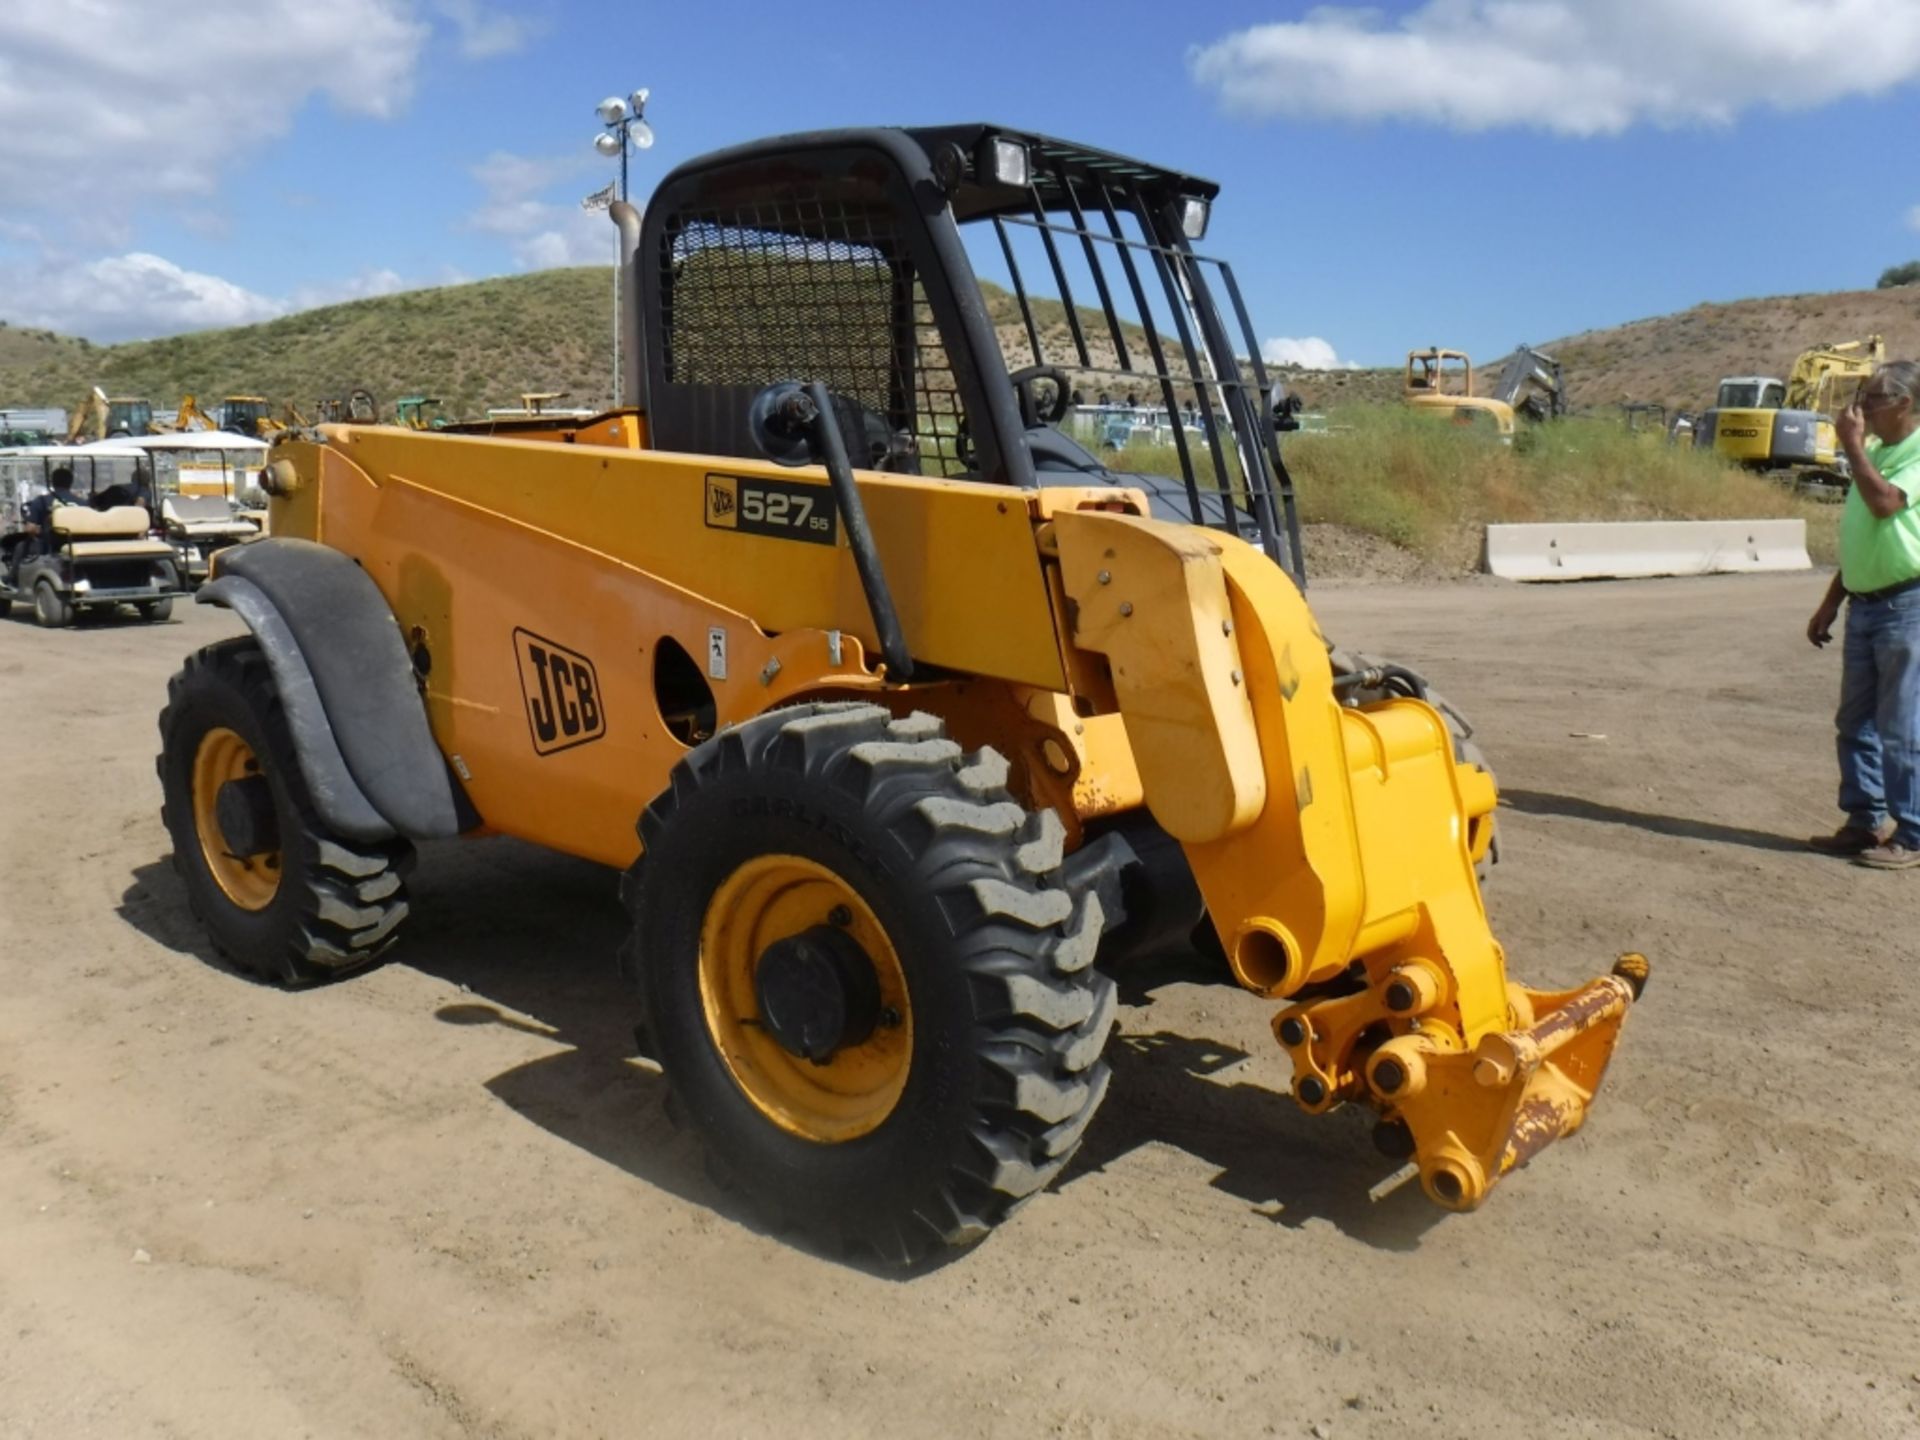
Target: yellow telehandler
x,y
904,717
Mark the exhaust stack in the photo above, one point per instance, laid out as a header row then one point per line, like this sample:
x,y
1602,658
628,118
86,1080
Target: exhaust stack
x,y
632,373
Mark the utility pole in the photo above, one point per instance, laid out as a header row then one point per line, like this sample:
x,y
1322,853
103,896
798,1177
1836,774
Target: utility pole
x,y
624,125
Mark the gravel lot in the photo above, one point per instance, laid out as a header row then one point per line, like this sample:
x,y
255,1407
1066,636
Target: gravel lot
x,y
441,1199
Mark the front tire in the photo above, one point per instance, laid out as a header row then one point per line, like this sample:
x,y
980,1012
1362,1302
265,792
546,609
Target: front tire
x,y
155,611
50,607
971,1065
281,895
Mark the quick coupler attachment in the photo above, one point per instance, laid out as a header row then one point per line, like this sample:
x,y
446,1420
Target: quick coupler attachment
x,y
1465,1114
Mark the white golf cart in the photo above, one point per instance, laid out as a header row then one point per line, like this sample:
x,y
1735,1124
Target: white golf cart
x,y
207,485
89,556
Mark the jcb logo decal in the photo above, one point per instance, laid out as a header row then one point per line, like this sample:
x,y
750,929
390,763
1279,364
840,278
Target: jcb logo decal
x,y
562,694
723,505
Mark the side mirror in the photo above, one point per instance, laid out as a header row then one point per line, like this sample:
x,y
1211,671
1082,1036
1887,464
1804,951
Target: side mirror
x,y
784,421
794,424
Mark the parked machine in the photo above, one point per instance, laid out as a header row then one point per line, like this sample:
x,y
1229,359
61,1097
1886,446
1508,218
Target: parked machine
x,y
416,412
248,415
1440,383
191,419
906,718
103,417
1645,418
1765,423
1530,383
90,556
356,407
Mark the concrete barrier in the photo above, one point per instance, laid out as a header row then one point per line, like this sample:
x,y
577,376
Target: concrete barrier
x,y
1635,548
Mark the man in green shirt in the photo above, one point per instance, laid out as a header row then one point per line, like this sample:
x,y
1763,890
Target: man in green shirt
x,y
1878,722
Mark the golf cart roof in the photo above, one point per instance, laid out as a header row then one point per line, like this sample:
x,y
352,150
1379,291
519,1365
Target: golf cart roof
x,y
109,448
189,440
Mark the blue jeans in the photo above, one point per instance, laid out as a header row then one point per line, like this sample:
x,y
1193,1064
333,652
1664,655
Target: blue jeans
x,y
1879,717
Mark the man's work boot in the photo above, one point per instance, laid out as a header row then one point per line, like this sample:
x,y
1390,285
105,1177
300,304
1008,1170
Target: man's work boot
x,y
1852,840
1889,856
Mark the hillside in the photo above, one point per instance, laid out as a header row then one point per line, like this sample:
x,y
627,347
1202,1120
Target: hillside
x,y
1677,360
483,343
472,345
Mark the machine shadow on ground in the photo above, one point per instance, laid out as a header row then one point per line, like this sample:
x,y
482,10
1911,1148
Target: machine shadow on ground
x,y
531,936
1573,807
1287,1165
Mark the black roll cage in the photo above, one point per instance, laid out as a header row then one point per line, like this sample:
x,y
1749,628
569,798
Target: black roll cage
x,y
927,182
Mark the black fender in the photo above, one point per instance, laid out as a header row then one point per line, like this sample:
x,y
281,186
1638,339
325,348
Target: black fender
x,y
351,696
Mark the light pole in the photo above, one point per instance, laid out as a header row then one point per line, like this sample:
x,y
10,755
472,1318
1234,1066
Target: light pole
x,y
623,126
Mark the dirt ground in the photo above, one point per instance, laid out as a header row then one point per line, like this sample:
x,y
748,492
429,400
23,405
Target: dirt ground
x,y
441,1199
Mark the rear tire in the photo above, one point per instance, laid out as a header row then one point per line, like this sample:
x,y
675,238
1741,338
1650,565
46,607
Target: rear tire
x,y
1002,1018
52,609
316,906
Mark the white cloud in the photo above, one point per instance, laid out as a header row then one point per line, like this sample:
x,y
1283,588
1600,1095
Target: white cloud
x,y
541,234
122,297
485,33
137,295
106,104
1575,67
1308,353
1913,218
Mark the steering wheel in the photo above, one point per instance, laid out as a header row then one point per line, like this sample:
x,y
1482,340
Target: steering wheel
x,y
1032,413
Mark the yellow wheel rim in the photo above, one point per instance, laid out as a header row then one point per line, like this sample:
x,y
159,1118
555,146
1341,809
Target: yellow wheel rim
x,y
249,881
767,899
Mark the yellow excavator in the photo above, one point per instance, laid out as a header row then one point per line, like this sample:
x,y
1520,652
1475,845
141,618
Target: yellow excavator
x,y
101,417
1765,423
1440,383
905,719
189,417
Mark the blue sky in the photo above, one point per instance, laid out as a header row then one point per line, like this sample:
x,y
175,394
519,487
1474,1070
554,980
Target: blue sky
x,y
1451,171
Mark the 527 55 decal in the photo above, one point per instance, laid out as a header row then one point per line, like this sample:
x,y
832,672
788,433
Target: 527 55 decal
x,y
562,692
783,509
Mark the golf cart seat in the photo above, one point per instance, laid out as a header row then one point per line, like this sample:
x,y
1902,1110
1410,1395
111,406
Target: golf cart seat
x,y
122,522
204,517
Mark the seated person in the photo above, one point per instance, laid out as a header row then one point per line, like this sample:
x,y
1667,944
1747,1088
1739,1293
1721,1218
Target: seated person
x,y
39,510
138,491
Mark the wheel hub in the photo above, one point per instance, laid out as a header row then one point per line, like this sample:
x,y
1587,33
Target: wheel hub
x,y
244,811
817,993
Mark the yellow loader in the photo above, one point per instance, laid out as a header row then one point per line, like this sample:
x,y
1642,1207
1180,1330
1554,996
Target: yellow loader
x,y
904,718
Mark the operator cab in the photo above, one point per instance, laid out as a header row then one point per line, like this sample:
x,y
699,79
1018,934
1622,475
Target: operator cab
x,y
129,418
243,414
1751,392
856,258
1439,372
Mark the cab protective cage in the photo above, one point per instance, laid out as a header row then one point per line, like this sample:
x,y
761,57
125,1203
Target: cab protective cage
x,y
839,257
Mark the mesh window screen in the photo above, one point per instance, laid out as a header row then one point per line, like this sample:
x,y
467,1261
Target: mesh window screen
x,y
805,289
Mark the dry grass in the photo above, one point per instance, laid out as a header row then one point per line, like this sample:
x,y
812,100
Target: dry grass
x,y
1431,488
